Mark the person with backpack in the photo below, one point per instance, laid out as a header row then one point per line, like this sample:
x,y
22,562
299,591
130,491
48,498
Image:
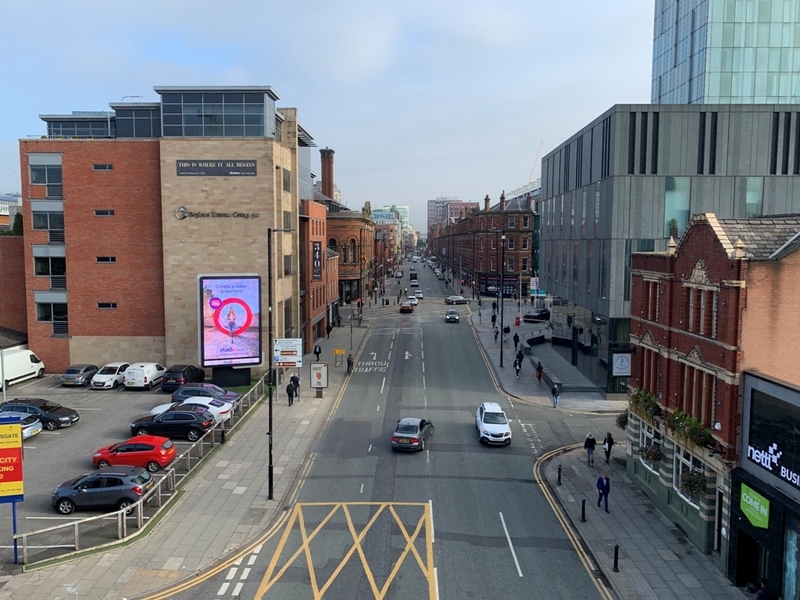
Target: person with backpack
x,y
295,381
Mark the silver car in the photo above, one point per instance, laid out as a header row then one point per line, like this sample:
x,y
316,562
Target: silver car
x,y
410,434
78,375
31,425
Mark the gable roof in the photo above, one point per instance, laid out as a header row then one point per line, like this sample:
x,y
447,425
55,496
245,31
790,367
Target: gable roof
x,y
761,238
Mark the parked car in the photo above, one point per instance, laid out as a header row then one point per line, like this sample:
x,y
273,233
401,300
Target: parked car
x,y
419,295
30,424
149,452
451,316
112,487
205,390
177,375
410,434
78,375
217,407
19,365
537,315
111,376
143,375
492,424
52,415
456,300
406,307
175,423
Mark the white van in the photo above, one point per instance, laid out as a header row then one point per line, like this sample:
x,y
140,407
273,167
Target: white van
x,y
19,365
143,375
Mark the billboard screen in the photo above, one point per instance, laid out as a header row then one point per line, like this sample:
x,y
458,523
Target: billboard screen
x,y
230,320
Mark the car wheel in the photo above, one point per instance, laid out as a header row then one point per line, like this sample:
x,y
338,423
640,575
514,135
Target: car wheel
x,y
125,504
40,374
482,440
50,425
193,435
141,431
153,466
150,385
508,442
115,385
65,506
102,464
431,433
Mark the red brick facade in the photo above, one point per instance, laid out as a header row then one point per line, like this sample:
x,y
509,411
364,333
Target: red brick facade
x,y
318,294
13,314
352,235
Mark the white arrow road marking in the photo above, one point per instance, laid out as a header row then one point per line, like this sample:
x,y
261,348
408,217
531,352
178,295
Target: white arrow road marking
x,y
408,354
374,355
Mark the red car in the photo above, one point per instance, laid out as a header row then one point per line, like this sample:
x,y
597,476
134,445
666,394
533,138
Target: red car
x,y
407,307
150,452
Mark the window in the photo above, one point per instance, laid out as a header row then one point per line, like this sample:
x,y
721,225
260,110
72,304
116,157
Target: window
x,y
651,310
524,266
697,398
686,464
525,243
493,244
104,167
287,219
511,243
107,212
49,175
510,264
287,264
55,313
512,222
48,221
287,181
526,222
107,305
481,244
106,259
491,264
352,254
45,266
702,306
754,195
649,439
676,203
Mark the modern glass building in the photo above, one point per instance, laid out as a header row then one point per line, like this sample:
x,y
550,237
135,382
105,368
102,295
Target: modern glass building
x,y
726,52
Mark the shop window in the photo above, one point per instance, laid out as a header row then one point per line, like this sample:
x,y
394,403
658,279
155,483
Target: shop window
x,y
687,474
649,446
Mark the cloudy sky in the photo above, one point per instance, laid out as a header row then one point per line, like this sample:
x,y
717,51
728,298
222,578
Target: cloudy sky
x,y
419,98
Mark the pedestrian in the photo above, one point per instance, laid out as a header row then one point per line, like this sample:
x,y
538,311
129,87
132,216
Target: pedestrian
x,y
318,348
349,364
506,331
517,366
295,381
494,307
494,320
520,355
764,592
496,331
608,443
328,330
589,445
516,340
290,393
603,488
556,394
338,321
539,371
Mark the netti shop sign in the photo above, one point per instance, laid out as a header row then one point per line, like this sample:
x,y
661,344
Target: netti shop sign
x,y
216,168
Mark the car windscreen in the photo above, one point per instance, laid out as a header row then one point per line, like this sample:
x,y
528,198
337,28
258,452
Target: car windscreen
x,y
28,421
217,403
50,406
72,371
406,429
142,478
108,371
494,418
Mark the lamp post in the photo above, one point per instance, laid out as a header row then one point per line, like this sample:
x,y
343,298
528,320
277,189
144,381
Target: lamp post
x,y
500,268
270,477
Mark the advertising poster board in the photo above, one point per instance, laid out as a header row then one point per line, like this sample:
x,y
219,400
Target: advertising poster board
x,y
230,320
11,480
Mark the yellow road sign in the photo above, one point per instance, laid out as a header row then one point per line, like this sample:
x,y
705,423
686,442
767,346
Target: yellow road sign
x,y
339,351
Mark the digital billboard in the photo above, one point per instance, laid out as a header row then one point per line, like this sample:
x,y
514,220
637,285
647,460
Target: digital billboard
x,y
230,320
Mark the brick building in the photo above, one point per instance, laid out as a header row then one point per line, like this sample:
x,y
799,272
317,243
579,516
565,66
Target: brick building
x,y
702,313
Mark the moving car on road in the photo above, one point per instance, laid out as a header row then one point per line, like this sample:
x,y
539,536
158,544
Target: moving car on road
x,y
406,307
110,376
112,487
492,424
419,295
456,300
52,415
149,452
78,375
451,316
410,434
537,315
413,300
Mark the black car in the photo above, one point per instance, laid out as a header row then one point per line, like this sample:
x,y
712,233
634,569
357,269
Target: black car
x,y
112,487
190,424
456,300
537,315
177,375
51,414
410,434
204,390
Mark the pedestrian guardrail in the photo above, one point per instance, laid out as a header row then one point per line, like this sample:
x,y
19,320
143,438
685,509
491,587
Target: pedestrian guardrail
x,y
95,532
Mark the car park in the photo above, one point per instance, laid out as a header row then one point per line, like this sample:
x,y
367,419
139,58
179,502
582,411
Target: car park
x,y
406,307
413,300
177,375
451,316
149,452
112,487
80,375
219,408
175,423
456,300
52,415
110,377
204,390
30,424
492,424
143,375
537,315
419,295
410,433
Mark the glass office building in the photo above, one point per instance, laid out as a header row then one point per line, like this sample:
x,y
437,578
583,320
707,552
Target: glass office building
x,y
726,52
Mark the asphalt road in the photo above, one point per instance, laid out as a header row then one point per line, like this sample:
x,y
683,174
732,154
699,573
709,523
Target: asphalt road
x,y
457,520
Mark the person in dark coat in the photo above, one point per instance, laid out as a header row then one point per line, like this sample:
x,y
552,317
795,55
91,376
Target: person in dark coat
x,y
603,489
520,356
556,393
589,445
328,329
295,381
516,340
290,392
539,371
318,349
517,366
608,443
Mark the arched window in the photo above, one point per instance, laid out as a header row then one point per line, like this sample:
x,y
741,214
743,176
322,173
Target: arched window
x,y
352,255
332,243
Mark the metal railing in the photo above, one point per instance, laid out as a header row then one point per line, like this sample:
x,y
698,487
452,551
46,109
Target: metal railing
x,y
106,529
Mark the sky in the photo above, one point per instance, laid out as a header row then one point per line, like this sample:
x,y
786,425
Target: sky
x,y
418,98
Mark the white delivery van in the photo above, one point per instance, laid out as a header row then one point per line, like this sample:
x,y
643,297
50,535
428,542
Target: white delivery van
x,y
143,375
19,365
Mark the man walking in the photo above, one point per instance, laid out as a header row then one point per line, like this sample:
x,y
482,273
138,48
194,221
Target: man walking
x,y
290,393
517,366
539,372
295,381
516,340
328,329
603,489
556,394
349,364
318,349
589,445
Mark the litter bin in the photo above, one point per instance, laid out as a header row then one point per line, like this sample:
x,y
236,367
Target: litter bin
x,y
527,350
516,321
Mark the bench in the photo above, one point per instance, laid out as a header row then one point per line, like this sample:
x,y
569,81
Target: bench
x,y
549,377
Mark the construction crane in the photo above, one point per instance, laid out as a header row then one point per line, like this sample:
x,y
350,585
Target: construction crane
x,y
535,161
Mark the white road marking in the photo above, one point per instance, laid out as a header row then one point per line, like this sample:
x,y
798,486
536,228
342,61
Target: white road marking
x,y
390,355
222,589
370,448
253,558
436,581
423,354
257,549
231,574
378,408
362,489
428,457
50,433
236,589
383,384
423,367
510,545
408,354
425,401
423,382
245,573
433,535
374,355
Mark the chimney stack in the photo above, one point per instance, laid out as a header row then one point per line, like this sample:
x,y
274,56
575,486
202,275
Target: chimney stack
x,y
528,200
486,203
326,158
503,201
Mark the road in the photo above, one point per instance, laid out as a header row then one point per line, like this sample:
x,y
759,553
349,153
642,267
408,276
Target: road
x,y
457,520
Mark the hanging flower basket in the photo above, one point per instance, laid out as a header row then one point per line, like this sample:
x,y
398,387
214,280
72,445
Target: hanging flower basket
x,y
652,453
693,483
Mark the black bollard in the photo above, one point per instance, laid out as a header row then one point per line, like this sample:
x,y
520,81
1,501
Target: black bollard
x,y
583,510
616,558
222,436
559,474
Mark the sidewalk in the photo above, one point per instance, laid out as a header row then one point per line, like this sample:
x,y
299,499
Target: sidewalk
x,y
656,562
223,506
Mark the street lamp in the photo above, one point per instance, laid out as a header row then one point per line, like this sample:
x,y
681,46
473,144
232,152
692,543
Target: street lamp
x,y
500,268
271,352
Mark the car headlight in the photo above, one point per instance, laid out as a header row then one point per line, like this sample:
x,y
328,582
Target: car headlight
x,y
483,430
508,432
63,418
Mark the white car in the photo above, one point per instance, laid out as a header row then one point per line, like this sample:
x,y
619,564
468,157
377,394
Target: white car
x,y
492,424
413,300
219,408
418,295
110,376
143,375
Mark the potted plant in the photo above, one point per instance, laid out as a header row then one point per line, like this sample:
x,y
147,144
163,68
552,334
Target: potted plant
x,y
693,483
652,453
672,224
622,419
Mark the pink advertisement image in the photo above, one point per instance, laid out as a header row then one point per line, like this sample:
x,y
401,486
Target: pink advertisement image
x,y
230,320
